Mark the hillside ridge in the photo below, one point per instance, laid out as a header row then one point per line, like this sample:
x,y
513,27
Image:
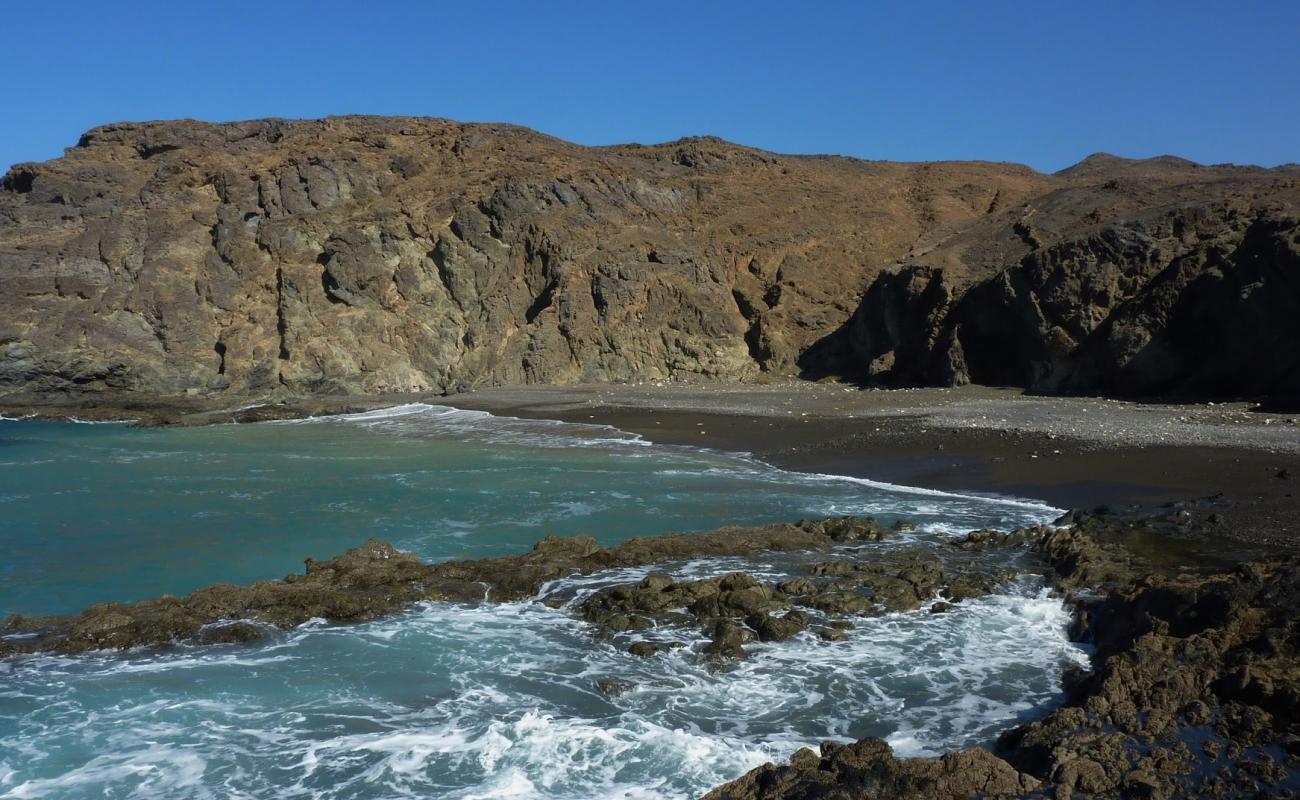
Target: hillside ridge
x,y
362,255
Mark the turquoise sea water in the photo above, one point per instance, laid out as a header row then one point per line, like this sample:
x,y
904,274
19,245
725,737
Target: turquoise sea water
x,y
445,700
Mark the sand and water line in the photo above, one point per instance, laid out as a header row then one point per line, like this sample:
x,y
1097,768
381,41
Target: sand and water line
x,y
459,701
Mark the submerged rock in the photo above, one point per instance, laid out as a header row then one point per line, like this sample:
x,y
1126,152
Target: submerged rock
x,y
650,649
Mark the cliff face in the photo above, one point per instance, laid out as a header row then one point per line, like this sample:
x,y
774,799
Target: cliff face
x,y
1157,278
355,255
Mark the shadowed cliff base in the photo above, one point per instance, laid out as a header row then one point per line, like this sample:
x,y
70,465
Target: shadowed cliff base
x,y
373,255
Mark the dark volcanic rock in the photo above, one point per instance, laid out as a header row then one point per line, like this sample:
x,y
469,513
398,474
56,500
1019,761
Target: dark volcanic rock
x,y
732,610
868,769
179,261
1195,693
375,579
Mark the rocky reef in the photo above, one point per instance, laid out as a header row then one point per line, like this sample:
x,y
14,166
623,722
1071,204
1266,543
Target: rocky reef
x,y
1194,688
1193,693
367,255
375,579
732,610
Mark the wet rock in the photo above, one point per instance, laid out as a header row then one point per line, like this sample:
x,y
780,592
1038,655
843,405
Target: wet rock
x,y
872,584
728,640
849,529
837,602
376,579
771,628
830,634
656,582
746,601
968,586
566,547
982,539
613,687
868,769
841,567
232,633
627,622
797,586
1195,692
651,649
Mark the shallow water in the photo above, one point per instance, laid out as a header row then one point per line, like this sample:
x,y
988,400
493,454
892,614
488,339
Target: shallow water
x,y
446,700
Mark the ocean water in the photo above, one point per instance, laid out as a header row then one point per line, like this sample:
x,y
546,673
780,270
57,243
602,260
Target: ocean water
x,y
452,701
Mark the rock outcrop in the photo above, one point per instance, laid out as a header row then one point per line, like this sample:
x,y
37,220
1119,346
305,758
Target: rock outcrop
x,y
363,255
375,579
1135,279
1194,693
732,610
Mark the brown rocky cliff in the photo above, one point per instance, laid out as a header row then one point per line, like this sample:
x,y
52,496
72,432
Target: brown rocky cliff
x,y
366,255
1130,278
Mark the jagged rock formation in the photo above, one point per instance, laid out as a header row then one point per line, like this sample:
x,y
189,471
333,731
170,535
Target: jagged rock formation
x,y
369,255
1193,692
1156,278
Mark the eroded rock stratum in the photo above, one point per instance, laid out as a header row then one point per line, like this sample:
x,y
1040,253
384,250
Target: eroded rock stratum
x,y
373,255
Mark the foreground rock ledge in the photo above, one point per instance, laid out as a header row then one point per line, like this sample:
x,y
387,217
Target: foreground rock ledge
x,y
1195,690
375,580
1195,693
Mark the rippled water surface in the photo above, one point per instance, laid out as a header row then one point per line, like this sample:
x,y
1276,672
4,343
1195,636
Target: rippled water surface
x,y
445,700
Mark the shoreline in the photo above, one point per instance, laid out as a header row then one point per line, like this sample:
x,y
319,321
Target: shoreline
x,y
1133,613
1118,572
1068,452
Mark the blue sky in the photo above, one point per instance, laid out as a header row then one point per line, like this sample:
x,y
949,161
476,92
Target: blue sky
x,y
1044,83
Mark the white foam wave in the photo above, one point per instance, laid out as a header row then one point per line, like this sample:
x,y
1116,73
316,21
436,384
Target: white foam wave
x,y
426,418
502,701
917,491
391,412
156,771
80,421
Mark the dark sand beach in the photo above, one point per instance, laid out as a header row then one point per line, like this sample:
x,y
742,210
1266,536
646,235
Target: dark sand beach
x,y
1071,452
1233,464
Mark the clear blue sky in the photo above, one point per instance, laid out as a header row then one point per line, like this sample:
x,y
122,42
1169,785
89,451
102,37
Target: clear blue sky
x,y
1044,83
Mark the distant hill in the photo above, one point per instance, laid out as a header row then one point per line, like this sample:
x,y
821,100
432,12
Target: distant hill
x,y
376,254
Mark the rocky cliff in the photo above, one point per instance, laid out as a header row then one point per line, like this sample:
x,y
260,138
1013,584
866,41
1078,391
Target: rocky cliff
x,y
368,255
1138,279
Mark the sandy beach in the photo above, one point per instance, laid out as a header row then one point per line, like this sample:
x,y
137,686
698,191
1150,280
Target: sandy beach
x,y
1235,463
1071,452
